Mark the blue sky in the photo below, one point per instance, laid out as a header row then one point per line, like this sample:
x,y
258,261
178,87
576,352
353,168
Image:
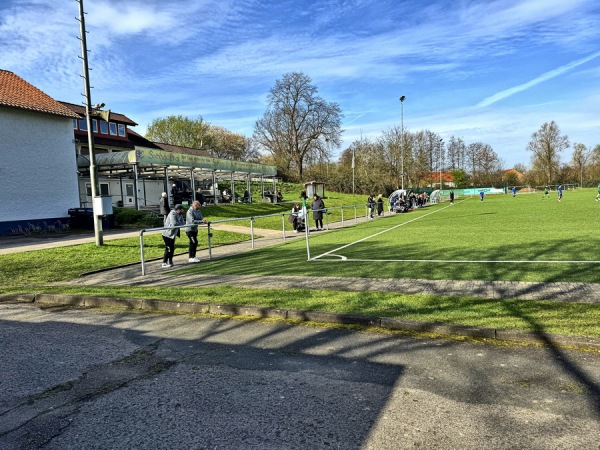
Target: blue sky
x,y
489,71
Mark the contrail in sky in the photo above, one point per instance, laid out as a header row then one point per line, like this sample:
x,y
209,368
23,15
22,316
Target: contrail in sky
x,y
546,76
359,116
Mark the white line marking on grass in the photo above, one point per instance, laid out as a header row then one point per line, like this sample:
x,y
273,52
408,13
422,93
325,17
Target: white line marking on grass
x,y
508,261
381,232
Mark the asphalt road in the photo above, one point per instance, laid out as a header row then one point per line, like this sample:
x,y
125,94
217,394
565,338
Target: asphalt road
x,y
94,379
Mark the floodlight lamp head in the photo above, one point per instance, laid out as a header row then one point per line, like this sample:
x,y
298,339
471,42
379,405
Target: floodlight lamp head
x,y
99,105
402,98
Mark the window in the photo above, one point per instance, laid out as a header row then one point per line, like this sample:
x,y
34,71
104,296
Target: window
x,y
74,124
104,191
113,128
94,125
82,125
121,130
103,127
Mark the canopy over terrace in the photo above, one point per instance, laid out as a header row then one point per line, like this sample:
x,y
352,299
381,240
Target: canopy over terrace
x,y
148,163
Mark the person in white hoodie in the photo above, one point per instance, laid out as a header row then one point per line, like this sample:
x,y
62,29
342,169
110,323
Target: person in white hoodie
x,y
174,219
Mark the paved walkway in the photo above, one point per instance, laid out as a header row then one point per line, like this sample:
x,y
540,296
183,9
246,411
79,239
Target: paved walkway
x,y
156,276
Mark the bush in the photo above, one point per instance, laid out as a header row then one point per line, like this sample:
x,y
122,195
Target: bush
x,y
127,217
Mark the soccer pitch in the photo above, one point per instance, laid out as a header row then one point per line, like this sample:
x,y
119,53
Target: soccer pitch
x,y
501,229
502,238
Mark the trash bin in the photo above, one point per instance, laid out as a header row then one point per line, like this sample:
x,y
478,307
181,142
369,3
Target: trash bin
x,y
82,218
108,222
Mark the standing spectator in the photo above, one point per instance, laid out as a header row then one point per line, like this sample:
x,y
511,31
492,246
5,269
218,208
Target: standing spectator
x,y
164,205
175,194
317,207
371,205
193,216
379,204
598,195
173,219
199,197
452,196
247,197
303,195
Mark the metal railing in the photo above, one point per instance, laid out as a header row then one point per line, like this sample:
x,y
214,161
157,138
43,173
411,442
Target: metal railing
x,y
208,225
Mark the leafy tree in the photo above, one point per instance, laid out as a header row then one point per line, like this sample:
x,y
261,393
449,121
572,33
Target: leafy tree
x,y
180,130
297,124
546,145
460,178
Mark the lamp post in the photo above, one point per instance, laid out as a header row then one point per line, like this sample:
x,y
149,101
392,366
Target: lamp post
x,y
441,143
353,170
402,98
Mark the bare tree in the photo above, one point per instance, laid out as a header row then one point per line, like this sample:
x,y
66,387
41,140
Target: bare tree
x,y
546,145
456,150
581,155
297,124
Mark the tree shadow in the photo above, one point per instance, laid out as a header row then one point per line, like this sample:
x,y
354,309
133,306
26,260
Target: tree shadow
x,y
234,383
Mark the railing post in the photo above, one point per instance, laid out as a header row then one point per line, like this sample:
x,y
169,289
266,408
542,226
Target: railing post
x,y
355,219
252,230
325,213
342,216
283,225
209,236
142,252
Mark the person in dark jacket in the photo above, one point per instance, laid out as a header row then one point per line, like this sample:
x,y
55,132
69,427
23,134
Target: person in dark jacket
x,y
371,205
193,218
379,204
199,197
317,206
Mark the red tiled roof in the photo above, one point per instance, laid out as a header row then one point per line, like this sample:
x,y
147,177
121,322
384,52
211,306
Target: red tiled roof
x,y
114,117
139,140
18,93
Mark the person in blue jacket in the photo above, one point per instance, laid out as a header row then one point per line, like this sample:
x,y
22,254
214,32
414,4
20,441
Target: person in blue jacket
x,y
481,195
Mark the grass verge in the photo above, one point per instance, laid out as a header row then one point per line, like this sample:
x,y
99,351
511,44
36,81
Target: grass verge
x,y
577,319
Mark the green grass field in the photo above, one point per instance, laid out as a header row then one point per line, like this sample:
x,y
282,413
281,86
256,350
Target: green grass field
x,y
501,228
504,238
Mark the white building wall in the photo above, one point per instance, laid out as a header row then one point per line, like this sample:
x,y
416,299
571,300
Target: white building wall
x,y
38,168
151,188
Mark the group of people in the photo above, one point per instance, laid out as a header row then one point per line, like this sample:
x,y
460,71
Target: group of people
x,y
375,204
405,203
559,192
297,215
174,218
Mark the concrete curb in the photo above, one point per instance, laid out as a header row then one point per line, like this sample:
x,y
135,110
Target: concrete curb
x,y
547,339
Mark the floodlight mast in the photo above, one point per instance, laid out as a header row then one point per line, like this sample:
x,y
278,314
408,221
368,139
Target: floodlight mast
x,y
402,98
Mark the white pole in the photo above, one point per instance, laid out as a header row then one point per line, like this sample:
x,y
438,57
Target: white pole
x,y
402,98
